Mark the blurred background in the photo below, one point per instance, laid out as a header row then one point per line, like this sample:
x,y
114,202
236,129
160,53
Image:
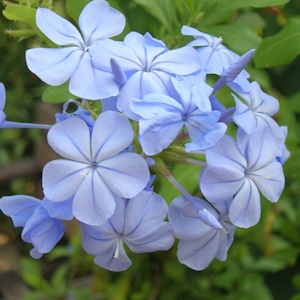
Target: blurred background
x,y
263,262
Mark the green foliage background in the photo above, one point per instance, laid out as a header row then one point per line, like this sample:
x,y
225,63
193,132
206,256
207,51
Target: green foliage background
x,y
263,262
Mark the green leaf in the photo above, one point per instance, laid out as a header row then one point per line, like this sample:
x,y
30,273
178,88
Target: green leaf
x,y
59,279
223,10
281,48
74,8
31,273
15,12
163,10
238,37
57,94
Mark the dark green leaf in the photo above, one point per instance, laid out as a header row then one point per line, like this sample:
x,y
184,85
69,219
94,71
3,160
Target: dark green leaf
x,y
223,10
281,48
163,10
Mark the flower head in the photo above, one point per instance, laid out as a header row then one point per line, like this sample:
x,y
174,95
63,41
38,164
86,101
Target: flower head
x,y
241,169
137,222
98,22
199,243
98,167
39,228
145,65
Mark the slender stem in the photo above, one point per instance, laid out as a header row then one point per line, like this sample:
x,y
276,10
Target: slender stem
x,y
178,186
195,162
9,124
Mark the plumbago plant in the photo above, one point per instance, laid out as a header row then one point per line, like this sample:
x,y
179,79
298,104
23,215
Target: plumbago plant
x,y
159,108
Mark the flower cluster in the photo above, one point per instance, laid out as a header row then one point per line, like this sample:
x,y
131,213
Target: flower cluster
x,y
154,101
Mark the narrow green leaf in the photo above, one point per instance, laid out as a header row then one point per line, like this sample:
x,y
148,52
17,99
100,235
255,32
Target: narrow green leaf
x,y
223,10
281,48
57,94
74,8
31,273
240,38
20,34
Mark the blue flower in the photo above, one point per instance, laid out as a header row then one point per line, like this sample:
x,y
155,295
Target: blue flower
x,y
2,103
257,111
162,117
137,222
199,243
39,229
144,65
215,57
98,22
98,167
243,168
80,112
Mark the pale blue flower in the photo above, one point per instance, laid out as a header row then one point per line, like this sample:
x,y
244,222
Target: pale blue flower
x,y
39,229
98,22
215,57
137,222
2,103
242,169
145,65
162,117
200,243
98,167
257,109
80,112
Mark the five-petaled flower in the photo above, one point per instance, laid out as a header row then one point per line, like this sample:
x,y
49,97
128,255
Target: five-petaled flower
x,y
98,22
99,166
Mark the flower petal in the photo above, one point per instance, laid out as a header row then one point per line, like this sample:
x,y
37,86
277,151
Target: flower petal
x,y
243,116
2,96
220,182
226,152
112,133
19,208
97,84
61,179
57,29
182,61
100,21
139,84
94,203
59,210
245,208
269,180
145,210
71,139
185,220
53,66
43,231
198,254
125,174
261,149
109,261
